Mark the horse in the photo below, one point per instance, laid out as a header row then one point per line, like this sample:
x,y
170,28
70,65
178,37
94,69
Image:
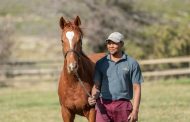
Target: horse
x,y
76,79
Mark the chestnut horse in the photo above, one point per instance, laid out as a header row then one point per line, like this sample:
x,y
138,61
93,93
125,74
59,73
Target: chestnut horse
x,y
76,78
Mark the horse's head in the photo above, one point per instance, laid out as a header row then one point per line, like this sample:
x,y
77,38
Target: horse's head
x,y
71,38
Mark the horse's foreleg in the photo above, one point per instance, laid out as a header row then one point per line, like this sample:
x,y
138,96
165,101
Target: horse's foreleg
x,y
92,115
67,115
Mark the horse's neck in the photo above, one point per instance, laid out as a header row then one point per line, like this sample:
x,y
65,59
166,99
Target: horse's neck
x,y
86,64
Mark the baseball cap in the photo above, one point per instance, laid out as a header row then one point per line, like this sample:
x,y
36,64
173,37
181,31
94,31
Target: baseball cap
x,y
115,37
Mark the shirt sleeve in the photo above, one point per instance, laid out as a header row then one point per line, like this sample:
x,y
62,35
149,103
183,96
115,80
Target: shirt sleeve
x,y
137,74
97,74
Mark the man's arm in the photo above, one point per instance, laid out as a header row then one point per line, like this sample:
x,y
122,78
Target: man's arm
x,y
95,90
95,94
137,96
96,87
136,102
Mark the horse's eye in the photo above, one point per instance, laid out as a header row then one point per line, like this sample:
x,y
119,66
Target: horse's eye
x,y
62,41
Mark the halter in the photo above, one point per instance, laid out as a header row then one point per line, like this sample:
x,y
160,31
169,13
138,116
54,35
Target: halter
x,y
74,51
76,74
82,84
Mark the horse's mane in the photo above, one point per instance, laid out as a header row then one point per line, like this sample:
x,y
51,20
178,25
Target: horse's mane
x,y
84,55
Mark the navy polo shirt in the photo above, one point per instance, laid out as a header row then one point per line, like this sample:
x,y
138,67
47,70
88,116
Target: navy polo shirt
x,y
117,78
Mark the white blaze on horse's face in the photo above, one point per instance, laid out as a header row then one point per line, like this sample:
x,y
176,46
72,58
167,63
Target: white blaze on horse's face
x,y
72,64
70,35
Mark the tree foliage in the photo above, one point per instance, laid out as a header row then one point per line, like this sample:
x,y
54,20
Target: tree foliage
x,y
172,41
103,17
152,29
165,41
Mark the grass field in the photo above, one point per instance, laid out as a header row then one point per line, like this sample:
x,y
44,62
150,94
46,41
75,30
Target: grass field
x,y
162,101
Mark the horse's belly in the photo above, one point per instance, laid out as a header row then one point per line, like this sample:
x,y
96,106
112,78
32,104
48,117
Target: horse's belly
x,y
74,102
78,103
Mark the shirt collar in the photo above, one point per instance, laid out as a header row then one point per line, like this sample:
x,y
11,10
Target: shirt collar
x,y
124,56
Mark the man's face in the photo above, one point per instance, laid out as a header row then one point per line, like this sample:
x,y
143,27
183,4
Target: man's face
x,y
114,47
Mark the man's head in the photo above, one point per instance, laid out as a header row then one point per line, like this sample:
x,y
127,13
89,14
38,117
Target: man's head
x,y
115,37
115,42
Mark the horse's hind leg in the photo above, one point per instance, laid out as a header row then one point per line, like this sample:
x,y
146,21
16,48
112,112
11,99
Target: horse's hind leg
x,y
67,115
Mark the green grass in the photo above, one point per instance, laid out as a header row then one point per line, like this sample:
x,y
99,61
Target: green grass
x,y
162,101
30,103
165,101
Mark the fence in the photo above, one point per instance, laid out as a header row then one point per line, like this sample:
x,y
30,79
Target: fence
x,y
50,70
179,66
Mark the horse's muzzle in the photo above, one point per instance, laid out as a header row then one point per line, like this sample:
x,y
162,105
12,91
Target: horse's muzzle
x,y
72,67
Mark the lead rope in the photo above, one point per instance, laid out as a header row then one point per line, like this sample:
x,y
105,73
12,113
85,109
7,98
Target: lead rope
x,y
82,84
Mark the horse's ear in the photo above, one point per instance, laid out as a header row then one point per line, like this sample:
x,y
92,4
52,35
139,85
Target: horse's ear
x,y
77,21
62,22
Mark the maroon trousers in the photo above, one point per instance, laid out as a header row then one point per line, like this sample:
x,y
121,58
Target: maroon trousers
x,y
113,111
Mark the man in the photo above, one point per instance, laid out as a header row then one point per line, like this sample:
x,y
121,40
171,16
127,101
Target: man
x,y
116,76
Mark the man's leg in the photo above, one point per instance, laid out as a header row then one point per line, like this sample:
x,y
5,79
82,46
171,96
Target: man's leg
x,y
102,114
122,110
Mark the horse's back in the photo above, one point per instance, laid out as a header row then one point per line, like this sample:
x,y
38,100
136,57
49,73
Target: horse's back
x,y
96,56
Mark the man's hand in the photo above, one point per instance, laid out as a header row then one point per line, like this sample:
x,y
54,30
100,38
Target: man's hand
x,y
95,95
133,117
91,101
